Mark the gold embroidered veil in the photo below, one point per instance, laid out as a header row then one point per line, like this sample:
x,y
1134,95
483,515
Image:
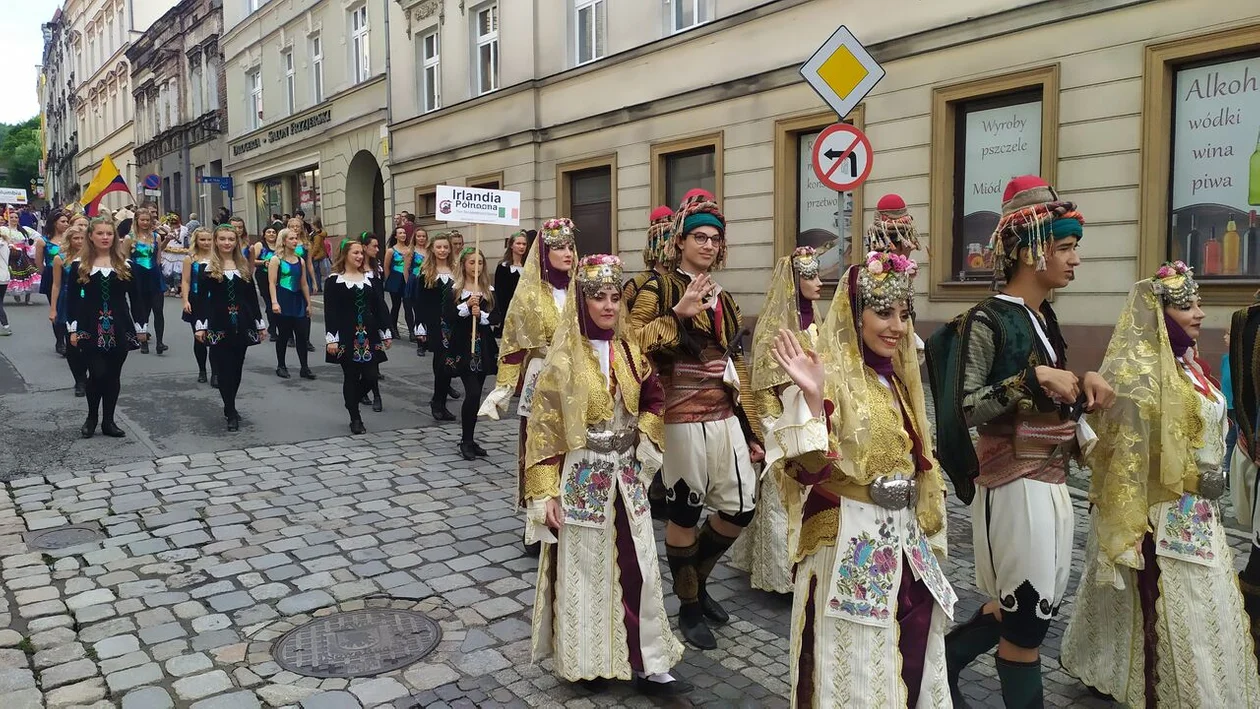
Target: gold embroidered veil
x,y
532,317
781,311
846,386
1148,438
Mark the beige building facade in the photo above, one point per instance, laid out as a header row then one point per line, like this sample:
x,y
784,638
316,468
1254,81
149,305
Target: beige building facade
x,y
306,106
1142,111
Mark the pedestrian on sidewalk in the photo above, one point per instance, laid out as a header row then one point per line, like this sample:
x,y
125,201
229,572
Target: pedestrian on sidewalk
x,y
190,288
227,316
144,249
5,251
594,440
106,321
437,277
62,280
471,353
319,254
290,302
356,324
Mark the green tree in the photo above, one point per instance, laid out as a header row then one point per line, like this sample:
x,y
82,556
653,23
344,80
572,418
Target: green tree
x,y
20,152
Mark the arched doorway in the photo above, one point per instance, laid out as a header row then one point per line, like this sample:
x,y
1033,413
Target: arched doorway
x,y
365,196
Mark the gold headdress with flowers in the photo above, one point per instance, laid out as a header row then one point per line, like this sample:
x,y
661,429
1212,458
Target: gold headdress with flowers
x,y
1175,285
885,279
558,232
805,262
597,272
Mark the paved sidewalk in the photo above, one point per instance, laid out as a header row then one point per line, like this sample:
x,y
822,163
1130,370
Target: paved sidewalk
x,y
208,560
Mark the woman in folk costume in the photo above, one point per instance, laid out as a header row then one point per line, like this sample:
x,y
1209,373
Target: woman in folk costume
x,y
595,437
893,231
528,328
871,602
765,548
1159,618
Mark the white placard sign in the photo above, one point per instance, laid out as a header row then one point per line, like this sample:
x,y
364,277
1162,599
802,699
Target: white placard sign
x,y
474,205
12,195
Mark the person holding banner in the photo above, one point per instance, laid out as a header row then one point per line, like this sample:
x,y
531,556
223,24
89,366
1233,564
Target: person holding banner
x,y
598,608
1001,368
470,353
691,328
527,331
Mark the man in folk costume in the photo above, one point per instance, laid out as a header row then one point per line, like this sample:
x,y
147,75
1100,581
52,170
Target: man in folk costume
x,y
765,549
1244,357
690,327
1001,368
528,327
594,442
893,231
1158,620
660,222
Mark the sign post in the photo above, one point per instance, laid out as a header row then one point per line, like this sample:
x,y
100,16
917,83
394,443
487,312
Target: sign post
x,y
224,183
842,71
842,157
477,206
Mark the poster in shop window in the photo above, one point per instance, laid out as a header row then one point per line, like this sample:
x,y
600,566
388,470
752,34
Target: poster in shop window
x,y
1216,169
1001,143
824,216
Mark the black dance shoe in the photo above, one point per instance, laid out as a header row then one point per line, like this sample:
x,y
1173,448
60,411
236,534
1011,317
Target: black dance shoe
x,y
441,414
201,377
113,431
282,372
88,429
80,389
214,380
310,347
377,405
234,422
454,394
306,373
677,688
478,450
466,450
161,348
61,348
694,629
357,427
366,400
713,610
144,347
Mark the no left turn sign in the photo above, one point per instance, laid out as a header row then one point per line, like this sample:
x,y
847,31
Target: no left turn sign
x,y
842,157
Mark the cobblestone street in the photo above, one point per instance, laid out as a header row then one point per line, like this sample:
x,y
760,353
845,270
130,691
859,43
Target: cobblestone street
x,y
208,560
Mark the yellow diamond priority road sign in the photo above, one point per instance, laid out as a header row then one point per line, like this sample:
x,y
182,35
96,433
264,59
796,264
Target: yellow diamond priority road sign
x,y
842,71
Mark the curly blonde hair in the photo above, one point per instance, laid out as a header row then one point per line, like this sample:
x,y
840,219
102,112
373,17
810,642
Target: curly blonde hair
x,y
90,253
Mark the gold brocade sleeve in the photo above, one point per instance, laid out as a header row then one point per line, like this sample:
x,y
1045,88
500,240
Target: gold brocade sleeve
x,y
652,426
747,401
511,368
652,330
542,481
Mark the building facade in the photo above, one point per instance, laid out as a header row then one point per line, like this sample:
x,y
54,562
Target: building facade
x,y
307,107
600,109
58,106
101,32
178,91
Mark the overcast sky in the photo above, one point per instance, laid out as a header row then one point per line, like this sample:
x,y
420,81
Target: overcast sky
x,y
21,49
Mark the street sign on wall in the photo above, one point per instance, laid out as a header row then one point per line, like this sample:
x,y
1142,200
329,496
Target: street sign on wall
x,y
842,157
842,71
474,205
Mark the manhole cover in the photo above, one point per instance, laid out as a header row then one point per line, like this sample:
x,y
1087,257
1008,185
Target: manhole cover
x,y
359,643
63,537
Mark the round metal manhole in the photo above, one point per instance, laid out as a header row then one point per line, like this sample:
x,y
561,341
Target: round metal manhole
x,y
63,537
359,643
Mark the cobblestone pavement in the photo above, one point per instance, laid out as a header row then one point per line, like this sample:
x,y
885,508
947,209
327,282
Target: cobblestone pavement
x,y
207,560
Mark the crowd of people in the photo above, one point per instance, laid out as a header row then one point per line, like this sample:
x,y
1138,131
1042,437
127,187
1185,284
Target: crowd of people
x,y
808,458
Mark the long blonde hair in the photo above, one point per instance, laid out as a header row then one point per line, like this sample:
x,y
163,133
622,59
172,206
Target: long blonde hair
x,y
194,253
483,281
68,253
117,260
215,269
283,251
429,267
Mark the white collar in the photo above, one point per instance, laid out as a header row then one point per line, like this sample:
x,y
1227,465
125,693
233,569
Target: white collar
x,y
107,270
513,268
232,273
341,278
446,277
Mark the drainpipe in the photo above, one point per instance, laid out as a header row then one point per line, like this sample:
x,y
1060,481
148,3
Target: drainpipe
x,y
389,120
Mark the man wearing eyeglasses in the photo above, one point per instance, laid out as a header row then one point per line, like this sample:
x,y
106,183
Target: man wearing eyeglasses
x,y
691,328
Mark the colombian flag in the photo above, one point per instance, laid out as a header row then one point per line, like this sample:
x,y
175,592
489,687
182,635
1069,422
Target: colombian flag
x,y
107,180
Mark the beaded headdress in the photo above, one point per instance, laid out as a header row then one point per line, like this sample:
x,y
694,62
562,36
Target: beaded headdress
x,y
805,262
1033,218
558,232
893,228
885,279
1175,285
597,272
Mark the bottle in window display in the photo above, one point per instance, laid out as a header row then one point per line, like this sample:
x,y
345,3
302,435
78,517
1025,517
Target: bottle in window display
x,y
1212,255
1230,246
1193,244
1253,187
1251,245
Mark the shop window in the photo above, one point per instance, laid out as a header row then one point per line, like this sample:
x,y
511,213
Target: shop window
x,y
682,165
586,192
807,212
1202,140
426,205
984,133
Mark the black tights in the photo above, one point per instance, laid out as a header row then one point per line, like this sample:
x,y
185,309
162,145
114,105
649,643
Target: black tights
x,y
201,352
77,363
299,328
153,309
441,379
104,382
228,360
357,379
59,328
396,304
4,317
473,382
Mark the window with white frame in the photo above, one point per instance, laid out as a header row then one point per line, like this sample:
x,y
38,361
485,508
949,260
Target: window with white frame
x,y
195,84
359,57
430,72
590,25
109,33
254,104
486,34
688,13
255,4
317,68
290,81
212,81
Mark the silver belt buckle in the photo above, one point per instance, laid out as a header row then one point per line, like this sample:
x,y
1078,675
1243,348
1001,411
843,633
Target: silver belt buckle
x,y
894,493
610,441
1212,484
